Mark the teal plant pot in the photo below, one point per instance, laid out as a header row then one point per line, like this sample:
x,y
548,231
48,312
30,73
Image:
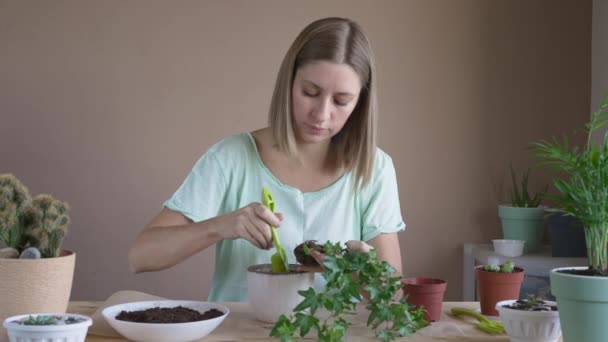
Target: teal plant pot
x,y
523,224
582,302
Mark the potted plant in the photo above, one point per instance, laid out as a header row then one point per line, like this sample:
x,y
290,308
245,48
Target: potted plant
x,y
566,234
36,273
523,219
347,273
496,283
582,183
47,327
530,320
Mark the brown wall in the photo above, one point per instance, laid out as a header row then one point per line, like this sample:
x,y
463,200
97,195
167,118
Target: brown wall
x,y
107,105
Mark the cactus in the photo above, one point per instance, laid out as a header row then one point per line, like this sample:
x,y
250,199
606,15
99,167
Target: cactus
x,y
41,222
13,197
45,223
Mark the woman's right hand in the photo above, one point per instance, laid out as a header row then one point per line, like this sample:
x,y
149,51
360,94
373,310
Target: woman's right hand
x,y
251,223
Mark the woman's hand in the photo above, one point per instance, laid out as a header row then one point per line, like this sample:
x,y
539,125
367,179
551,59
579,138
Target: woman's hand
x,y
251,223
352,245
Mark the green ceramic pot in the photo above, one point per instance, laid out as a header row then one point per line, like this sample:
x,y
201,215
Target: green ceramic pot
x,y
523,224
583,305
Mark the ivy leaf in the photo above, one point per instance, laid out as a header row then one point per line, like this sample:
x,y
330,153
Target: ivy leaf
x,y
385,335
283,329
306,322
310,301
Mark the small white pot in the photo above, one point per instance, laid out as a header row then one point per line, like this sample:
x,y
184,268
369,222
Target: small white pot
x,y
75,332
273,294
529,326
509,248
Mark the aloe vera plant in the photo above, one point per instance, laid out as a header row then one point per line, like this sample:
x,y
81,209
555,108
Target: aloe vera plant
x,y
521,198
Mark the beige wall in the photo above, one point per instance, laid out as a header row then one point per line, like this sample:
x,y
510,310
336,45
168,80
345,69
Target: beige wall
x,y
107,105
599,53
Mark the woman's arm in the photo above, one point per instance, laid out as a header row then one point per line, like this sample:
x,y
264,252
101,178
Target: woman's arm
x,y
170,237
387,248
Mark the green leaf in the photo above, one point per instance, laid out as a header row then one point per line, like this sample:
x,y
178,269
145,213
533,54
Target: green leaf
x,y
385,335
604,103
283,329
310,301
306,322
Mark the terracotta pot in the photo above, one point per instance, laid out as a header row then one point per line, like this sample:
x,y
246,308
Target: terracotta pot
x,y
494,287
36,285
426,292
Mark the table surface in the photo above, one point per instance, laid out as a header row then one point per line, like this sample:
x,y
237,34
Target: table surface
x,y
240,325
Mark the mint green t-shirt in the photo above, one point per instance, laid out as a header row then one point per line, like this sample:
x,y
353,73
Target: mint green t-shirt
x,y
231,175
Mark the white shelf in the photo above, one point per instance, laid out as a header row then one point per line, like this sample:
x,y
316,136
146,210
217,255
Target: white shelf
x,y
539,264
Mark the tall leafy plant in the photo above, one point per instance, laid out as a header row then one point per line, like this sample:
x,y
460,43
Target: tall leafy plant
x,y
582,183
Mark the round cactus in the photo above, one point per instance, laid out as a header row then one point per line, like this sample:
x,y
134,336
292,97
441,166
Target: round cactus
x,y
41,222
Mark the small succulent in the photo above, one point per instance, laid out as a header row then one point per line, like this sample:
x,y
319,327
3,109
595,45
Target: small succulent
x,y
41,222
532,302
40,320
507,267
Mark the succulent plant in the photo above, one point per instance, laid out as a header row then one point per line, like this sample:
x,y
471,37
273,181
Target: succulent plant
x,y
41,222
507,267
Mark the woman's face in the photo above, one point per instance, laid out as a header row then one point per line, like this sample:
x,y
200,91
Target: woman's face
x,y
324,95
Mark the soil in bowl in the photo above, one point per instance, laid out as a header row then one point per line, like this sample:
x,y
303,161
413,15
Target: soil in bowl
x,y
178,314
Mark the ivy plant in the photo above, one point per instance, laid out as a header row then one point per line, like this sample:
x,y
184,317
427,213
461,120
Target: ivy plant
x,y
347,273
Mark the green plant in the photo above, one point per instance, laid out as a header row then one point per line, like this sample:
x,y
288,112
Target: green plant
x,y
583,185
40,222
532,302
521,198
388,318
40,320
507,267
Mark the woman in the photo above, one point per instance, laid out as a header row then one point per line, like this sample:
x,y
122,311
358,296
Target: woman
x,y
318,158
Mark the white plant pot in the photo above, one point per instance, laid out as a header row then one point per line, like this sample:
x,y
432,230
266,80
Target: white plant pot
x,y
529,326
76,332
274,294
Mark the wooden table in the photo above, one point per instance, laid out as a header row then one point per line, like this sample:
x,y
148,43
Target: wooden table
x,y
240,325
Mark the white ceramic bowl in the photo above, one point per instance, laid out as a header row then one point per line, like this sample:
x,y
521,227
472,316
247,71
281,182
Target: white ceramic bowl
x,y
164,332
273,294
529,326
509,248
75,332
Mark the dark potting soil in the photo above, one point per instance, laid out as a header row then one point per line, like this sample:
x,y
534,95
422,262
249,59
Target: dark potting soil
x,y
305,259
178,314
526,305
585,272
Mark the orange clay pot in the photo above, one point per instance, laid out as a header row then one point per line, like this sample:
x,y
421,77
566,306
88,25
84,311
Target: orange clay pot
x,y
494,287
425,292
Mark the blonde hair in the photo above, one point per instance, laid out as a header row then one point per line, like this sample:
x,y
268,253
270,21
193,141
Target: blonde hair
x,y
335,40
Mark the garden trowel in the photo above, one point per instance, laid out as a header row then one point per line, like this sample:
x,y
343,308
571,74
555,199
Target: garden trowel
x,y
278,259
